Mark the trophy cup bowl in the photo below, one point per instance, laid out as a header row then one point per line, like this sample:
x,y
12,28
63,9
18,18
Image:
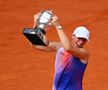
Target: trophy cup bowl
x,y
37,35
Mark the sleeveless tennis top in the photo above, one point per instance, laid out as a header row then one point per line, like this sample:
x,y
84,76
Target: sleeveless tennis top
x,y
69,71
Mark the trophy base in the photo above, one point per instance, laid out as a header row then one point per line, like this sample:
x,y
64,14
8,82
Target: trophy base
x,y
36,37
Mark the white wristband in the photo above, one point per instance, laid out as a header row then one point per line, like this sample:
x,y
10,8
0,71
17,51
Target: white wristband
x,y
59,27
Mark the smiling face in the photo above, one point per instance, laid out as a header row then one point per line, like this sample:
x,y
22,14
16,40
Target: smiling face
x,y
78,42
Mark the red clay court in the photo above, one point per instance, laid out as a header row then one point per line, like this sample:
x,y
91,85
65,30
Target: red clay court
x,y
24,68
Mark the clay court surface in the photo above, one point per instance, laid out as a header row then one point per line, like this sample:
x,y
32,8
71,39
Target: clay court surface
x,y
25,68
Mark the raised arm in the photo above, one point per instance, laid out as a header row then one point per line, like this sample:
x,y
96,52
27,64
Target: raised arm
x,y
78,52
52,47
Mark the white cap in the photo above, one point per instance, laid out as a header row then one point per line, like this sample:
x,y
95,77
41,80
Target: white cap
x,y
81,32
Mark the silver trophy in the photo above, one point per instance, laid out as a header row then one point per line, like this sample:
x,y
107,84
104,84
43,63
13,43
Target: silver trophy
x,y
37,35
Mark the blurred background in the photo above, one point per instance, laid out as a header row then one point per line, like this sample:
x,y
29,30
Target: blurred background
x,y
25,68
